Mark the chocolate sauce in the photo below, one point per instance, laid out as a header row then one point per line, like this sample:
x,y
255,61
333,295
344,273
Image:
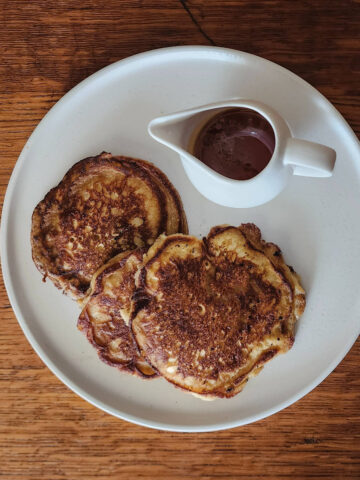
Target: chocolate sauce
x,y
238,143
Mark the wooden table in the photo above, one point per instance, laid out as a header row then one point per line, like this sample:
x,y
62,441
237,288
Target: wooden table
x,y
46,431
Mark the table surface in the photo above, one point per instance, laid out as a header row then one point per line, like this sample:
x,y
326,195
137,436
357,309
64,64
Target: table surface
x,y
46,431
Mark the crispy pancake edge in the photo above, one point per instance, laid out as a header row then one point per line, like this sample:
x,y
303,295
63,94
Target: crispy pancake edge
x,y
175,197
85,323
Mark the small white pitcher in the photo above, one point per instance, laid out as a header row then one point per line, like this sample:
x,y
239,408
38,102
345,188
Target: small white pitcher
x,y
291,156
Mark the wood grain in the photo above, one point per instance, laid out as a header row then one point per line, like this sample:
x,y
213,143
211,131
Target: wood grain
x,y
46,431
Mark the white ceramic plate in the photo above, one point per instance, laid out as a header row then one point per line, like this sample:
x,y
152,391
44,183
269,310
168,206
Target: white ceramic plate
x,y
315,221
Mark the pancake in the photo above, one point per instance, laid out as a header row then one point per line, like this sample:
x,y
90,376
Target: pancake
x,y
103,206
210,313
106,313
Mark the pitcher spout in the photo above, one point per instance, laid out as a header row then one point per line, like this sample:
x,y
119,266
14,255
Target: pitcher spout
x,y
175,130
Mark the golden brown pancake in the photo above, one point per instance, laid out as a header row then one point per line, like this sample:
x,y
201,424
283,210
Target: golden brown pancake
x,y
211,312
103,206
105,316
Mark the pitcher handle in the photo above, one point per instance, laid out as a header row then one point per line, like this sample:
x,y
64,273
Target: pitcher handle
x,y
309,159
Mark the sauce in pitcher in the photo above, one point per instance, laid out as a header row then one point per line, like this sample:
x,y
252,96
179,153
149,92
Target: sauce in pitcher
x,y
237,143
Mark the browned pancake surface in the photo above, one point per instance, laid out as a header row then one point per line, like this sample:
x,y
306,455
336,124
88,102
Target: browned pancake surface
x,y
103,206
212,312
105,316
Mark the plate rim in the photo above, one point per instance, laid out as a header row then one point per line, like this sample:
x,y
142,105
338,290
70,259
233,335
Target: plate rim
x,y
56,370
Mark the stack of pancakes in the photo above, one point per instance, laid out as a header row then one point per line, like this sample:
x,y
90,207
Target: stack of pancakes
x,y
204,314
103,206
